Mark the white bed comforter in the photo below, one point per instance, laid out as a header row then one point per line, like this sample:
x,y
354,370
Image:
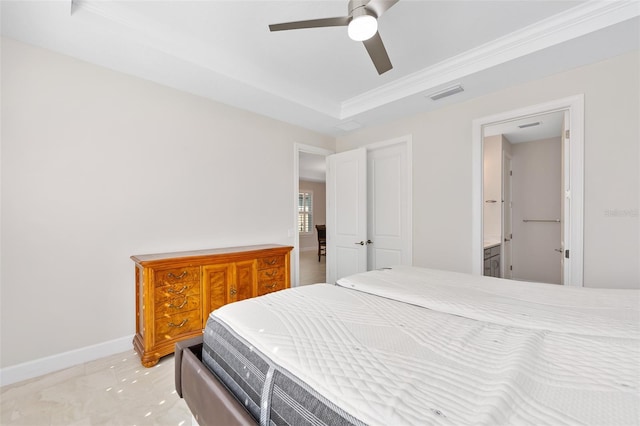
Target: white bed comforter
x,y
454,349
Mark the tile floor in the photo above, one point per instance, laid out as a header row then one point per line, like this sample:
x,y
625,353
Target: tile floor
x,y
312,271
115,390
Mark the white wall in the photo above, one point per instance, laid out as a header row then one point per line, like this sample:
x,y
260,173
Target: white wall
x,y
442,168
98,166
537,194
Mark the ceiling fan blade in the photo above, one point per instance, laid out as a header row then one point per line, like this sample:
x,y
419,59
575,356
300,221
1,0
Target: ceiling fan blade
x,y
380,6
313,23
378,53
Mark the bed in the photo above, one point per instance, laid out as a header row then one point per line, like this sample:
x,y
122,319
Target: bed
x,y
408,346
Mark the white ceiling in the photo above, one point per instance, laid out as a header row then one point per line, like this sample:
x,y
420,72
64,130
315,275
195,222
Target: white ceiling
x,y
319,78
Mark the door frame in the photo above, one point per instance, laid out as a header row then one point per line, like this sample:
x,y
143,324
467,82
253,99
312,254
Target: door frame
x,y
575,106
295,253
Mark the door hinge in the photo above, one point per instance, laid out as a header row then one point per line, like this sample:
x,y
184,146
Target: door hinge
x,y
567,133
510,172
566,254
511,267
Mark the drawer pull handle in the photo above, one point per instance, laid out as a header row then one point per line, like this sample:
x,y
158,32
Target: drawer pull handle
x,y
177,277
271,261
184,302
271,286
271,273
179,291
184,321
233,291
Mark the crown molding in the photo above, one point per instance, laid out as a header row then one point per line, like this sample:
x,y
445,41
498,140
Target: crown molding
x,y
575,22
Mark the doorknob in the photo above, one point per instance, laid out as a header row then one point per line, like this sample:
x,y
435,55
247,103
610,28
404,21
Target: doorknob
x,y
360,243
369,242
558,250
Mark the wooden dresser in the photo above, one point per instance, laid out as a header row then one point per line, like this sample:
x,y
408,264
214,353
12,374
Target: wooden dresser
x,y
175,292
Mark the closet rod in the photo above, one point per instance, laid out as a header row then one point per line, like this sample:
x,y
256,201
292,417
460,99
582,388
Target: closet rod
x,y
541,220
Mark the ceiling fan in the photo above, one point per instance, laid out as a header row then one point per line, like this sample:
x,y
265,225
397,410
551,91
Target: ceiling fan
x,y
362,25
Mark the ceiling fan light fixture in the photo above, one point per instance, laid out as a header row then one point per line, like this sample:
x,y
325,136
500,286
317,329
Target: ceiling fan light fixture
x,y
362,27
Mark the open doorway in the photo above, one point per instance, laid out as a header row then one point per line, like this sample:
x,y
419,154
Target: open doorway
x,y
523,190
570,218
309,263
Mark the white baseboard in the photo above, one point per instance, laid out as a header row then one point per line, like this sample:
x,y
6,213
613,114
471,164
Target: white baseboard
x,y
39,367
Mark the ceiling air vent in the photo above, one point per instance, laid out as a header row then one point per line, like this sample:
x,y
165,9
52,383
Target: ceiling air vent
x,y
446,92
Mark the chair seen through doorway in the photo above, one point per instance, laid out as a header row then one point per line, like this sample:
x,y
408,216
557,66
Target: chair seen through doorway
x,y
322,240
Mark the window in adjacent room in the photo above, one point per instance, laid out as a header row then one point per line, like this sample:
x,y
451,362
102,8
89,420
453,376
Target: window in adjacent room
x,y
305,212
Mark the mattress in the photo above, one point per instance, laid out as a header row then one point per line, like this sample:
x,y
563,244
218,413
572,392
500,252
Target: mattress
x,y
418,346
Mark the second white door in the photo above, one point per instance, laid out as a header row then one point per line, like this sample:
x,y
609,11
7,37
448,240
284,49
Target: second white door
x,y
389,212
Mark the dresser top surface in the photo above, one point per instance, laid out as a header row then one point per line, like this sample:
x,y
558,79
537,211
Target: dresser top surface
x,y
142,258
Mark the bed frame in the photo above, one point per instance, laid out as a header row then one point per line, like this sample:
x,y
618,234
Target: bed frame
x,y
208,399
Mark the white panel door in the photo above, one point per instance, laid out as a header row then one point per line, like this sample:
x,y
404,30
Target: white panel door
x,y
346,214
389,223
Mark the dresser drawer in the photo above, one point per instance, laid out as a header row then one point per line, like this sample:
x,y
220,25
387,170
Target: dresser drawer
x,y
270,262
168,326
270,286
272,274
176,290
173,276
177,304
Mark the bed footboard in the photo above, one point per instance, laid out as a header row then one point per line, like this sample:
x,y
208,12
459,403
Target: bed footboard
x,y
208,399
